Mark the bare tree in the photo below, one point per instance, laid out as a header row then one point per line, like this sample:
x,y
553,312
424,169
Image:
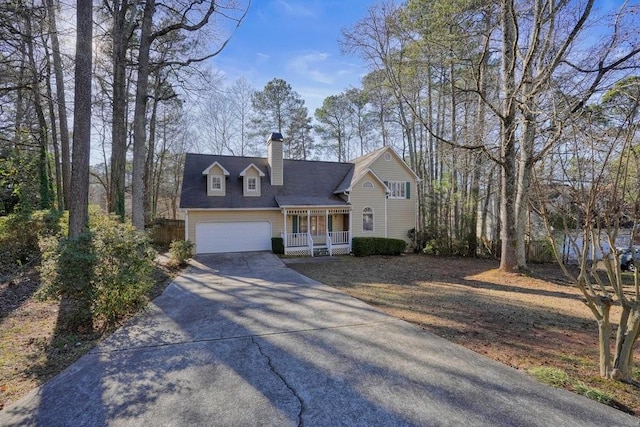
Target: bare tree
x,y
589,201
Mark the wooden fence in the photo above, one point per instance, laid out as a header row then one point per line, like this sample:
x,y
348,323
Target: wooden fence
x,y
164,231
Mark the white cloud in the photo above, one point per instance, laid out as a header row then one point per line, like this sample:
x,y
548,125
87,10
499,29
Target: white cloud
x,y
308,65
295,9
262,57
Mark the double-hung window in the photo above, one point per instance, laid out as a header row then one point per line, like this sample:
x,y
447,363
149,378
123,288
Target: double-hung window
x,y
216,182
252,183
398,189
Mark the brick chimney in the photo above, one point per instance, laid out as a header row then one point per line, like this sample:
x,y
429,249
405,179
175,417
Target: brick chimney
x,y
274,157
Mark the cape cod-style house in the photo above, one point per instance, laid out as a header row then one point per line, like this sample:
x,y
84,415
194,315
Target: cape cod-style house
x,y
236,204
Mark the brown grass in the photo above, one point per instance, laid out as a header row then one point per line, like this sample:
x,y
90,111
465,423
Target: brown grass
x,y
524,322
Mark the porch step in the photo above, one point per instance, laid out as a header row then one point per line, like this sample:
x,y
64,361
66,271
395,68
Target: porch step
x,y
320,252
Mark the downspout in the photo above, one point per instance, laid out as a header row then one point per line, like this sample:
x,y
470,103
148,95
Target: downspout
x,y
186,225
386,197
350,218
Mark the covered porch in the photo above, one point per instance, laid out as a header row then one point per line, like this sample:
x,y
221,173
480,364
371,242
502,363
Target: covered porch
x,y
317,231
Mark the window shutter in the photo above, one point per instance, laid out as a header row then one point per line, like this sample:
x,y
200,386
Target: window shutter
x,y
295,223
330,223
408,190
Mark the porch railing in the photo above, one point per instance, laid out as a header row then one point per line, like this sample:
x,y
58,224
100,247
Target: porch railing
x,y
310,243
297,239
339,237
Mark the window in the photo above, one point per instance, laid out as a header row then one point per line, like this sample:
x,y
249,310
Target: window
x,y
216,182
318,224
398,190
252,183
387,157
367,219
367,184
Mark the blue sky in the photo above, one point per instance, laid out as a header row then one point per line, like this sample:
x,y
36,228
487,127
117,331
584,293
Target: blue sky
x,y
296,40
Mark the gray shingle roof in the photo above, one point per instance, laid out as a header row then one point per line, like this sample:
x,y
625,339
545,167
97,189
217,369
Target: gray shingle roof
x,y
306,183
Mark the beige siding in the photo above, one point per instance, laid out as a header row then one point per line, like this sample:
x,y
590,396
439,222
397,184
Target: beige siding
x,y
401,213
275,156
216,170
197,216
373,197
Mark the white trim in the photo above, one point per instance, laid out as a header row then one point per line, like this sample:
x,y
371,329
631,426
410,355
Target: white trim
x,y
244,171
207,170
356,179
389,149
313,207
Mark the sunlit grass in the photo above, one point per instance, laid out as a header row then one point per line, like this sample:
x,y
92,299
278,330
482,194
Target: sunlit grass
x,y
549,375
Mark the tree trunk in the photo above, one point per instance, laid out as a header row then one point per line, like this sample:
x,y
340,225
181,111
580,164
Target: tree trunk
x,y
54,140
604,342
121,34
140,119
525,165
628,333
62,105
508,235
45,190
150,196
75,307
79,206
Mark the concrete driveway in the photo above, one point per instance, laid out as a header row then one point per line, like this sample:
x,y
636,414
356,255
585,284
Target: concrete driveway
x,y
242,340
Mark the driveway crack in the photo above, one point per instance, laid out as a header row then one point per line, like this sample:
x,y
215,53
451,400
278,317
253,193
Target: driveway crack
x,y
284,381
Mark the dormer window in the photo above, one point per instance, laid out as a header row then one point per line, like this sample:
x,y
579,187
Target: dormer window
x,y
216,182
251,176
252,183
216,175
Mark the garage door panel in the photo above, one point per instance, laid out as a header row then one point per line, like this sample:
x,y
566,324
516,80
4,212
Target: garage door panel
x,y
217,237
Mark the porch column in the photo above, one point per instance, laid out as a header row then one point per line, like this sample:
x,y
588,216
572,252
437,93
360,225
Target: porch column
x,y
326,221
309,236
350,226
284,228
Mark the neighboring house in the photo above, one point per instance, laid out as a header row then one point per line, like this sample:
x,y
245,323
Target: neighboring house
x,y
236,204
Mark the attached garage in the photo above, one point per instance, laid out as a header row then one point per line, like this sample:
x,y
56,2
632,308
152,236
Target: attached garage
x,y
217,237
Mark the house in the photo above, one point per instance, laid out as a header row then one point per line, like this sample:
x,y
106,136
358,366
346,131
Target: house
x,y
237,204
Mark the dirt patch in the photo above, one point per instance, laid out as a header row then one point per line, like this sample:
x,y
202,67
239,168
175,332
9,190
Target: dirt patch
x,y
522,321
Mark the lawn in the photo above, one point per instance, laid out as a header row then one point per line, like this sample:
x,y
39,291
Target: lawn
x,y
536,323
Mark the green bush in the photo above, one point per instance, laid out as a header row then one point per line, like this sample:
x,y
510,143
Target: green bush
x,y
181,251
277,245
20,233
364,246
109,269
67,273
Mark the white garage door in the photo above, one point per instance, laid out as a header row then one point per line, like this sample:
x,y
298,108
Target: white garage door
x,y
216,237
